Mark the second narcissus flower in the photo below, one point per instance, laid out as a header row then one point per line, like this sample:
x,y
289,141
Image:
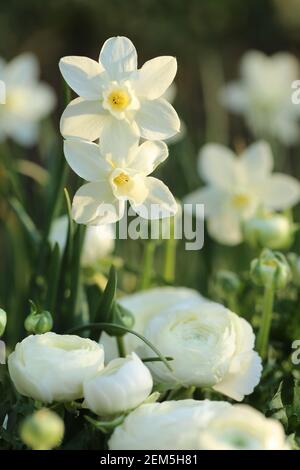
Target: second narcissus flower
x,y
114,181
118,102
237,186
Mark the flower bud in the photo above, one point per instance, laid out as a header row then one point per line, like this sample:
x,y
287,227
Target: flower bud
x,y
227,283
3,321
43,430
270,269
273,231
294,262
38,322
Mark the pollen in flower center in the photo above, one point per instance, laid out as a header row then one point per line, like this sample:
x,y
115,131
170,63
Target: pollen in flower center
x,y
240,200
121,179
119,99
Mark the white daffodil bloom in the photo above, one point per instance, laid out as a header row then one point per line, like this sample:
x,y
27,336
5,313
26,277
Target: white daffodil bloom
x,y
237,186
242,428
26,100
123,385
263,95
51,367
118,102
210,345
113,182
99,240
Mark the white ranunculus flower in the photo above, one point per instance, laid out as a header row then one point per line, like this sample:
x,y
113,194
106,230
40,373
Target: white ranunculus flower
x,y
144,306
263,95
237,186
113,182
242,428
52,367
118,102
99,240
171,425
123,385
26,100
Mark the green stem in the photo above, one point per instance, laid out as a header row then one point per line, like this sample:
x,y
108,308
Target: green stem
x,y
148,259
121,346
264,331
170,260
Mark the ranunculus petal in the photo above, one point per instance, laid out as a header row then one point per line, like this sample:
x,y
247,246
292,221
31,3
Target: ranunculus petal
x,y
257,161
210,196
85,159
281,192
83,119
157,120
83,75
155,77
225,228
118,56
95,204
148,156
217,165
159,203
117,138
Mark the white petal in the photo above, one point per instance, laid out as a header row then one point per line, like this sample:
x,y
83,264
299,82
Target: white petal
x,y
237,385
159,203
281,192
83,75
95,204
218,166
23,131
155,77
24,69
148,156
83,119
117,138
234,97
33,102
118,56
85,159
209,196
157,120
225,228
257,160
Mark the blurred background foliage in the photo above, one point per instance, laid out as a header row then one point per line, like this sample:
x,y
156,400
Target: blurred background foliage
x,y
208,37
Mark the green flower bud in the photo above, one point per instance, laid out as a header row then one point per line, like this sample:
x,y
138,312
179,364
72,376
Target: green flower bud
x,y
227,283
294,262
270,269
43,430
273,231
3,321
38,322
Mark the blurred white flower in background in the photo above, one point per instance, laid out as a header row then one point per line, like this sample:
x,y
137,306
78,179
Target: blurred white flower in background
x,y
210,345
115,181
123,385
99,240
241,427
27,100
263,95
197,425
237,186
118,102
52,367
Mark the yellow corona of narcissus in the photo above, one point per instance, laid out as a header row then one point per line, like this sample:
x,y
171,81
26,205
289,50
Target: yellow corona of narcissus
x,y
118,102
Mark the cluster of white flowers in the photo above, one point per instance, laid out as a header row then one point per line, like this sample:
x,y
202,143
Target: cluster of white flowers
x,y
239,186
118,105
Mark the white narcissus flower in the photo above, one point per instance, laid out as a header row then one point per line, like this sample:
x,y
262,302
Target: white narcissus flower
x,y
171,425
197,425
114,181
118,102
210,345
263,95
52,367
99,240
26,100
237,186
243,428
123,385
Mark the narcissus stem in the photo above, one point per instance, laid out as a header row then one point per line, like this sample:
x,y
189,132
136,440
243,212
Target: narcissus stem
x,y
170,260
148,259
264,331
